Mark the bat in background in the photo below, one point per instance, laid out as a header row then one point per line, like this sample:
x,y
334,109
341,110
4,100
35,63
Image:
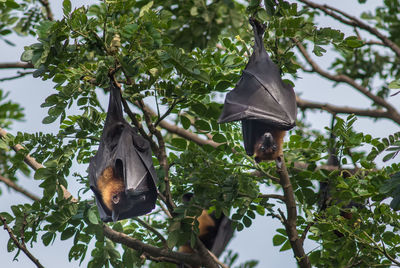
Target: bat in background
x,y
325,196
215,233
264,104
121,174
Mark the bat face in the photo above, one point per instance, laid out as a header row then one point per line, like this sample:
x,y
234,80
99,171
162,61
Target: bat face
x,y
122,174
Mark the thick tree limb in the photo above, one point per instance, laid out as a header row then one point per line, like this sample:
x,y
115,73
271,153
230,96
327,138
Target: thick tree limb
x,y
291,217
392,112
17,188
355,22
30,161
21,246
15,65
165,254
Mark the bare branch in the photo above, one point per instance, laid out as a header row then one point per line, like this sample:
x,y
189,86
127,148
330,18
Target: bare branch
x,y
392,112
291,218
46,5
15,65
274,196
19,245
304,235
19,75
353,21
333,109
30,161
17,188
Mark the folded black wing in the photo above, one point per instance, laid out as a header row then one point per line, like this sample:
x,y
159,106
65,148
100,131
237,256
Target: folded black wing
x,y
224,235
128,154
260,93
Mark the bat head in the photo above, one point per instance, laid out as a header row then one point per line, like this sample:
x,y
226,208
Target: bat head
x,y
265,147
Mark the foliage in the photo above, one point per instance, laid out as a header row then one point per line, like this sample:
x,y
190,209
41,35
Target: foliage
x,y
183,56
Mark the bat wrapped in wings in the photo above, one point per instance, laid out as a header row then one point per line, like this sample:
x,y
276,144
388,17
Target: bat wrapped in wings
x,y
122,174
215,233
263,102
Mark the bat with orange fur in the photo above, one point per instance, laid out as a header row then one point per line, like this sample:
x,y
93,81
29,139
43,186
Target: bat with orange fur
x,y
122,174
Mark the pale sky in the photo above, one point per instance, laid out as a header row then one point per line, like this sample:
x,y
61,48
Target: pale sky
x,y
252,243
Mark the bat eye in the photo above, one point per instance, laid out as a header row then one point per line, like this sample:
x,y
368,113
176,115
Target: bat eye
x,y
115,199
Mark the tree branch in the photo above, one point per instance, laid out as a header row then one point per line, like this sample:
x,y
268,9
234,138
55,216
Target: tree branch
x,y
166,254
17,188
151,229
30,161
355,22
19,245
14,65
291,218
19,75
333,109
46,5
274,196
392,112
161,154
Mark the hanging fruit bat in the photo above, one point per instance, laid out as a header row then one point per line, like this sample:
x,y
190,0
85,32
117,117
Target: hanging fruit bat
x,y
215,233
121,174
263,102
325,196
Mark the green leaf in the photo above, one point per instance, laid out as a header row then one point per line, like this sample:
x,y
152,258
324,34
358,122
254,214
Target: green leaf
x,y
202,125
49,119
145,8
392,85
47,238
185,122
278,240
67,233
219,138
92,217
66,7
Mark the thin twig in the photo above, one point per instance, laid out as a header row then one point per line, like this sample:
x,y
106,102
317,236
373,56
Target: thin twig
x,y
355,22
383,251
46,5
274,196
175,102
20,74
151,229
18,244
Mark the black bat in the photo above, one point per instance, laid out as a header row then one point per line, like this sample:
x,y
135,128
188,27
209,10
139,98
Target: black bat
x,y
215,233
121,174
262,101
325,196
